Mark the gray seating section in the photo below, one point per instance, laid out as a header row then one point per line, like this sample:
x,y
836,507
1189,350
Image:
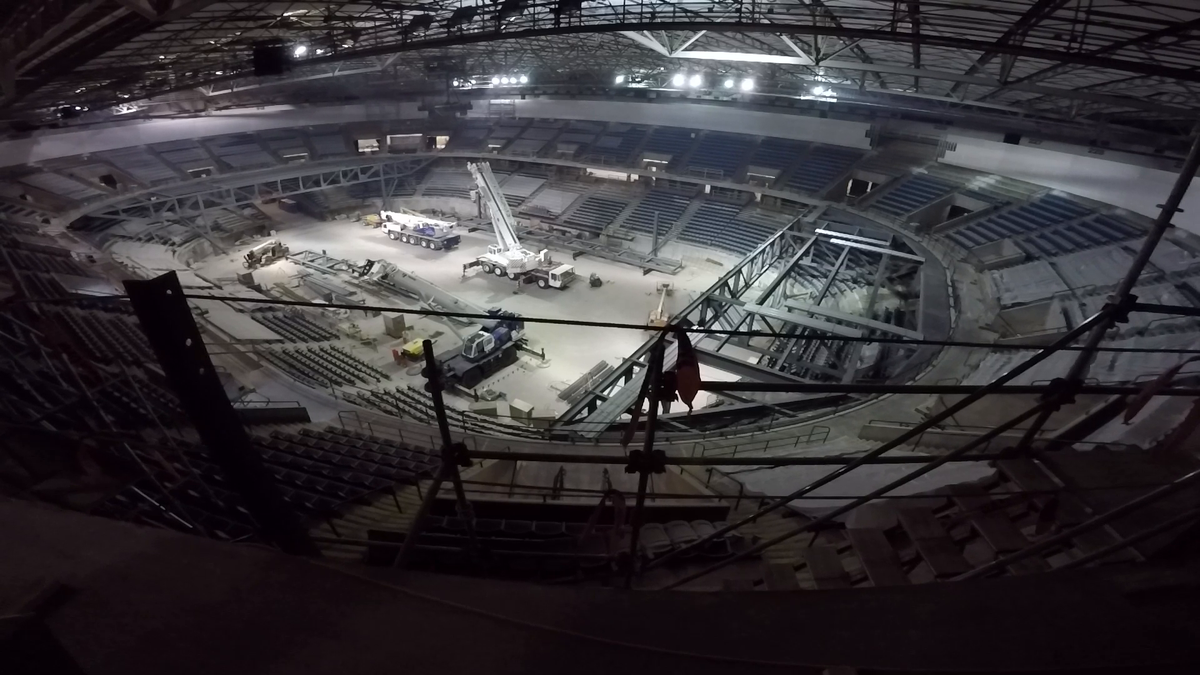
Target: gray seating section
x,y
1167,256
46,263
722,154
284,142
667,205
518,187
821,166
62,186
776,153
1093,268
140,164
617,144
1138,322
670,141
293,327
715,224
525,147
912,194
186,155
1026,283
470,138
448,183
324,366
596,212
330,144
240,152
106,336
1034,217
552,200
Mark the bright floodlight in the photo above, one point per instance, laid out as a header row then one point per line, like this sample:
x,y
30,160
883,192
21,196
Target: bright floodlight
x,y
694,81
821,91
299,51
620,79
495,79
678,80
729,84
524,79
747,84
504,80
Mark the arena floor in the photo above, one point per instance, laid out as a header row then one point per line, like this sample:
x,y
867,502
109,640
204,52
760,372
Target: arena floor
x,y
627,296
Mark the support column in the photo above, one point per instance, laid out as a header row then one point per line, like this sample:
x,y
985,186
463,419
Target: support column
x,y
167,321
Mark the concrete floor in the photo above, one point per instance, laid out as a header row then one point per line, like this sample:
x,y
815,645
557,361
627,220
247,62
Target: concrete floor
x,y
627,296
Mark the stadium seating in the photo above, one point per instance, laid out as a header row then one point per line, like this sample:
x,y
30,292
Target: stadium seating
x,y
720,155
1036,216
670,141
293,327
821,166
913,194
714,224
240,152
667,205
596,212
776,153
518,187
448,183
616,144
324,366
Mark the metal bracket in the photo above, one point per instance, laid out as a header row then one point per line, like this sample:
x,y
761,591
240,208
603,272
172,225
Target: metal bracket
x,y
1122,308
653,462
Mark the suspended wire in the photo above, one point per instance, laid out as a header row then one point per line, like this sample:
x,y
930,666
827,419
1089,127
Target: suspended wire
x,y
430,313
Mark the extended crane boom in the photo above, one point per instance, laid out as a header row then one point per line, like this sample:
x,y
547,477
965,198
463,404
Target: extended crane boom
x,y
497,208
507,257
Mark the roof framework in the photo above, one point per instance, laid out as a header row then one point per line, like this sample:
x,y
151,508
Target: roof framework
x,y
1106,61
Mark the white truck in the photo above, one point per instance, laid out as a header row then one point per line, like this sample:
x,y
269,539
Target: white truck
x,y
417,230
507,257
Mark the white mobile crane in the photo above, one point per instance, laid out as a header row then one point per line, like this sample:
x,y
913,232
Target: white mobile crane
x,y
507,257
413,228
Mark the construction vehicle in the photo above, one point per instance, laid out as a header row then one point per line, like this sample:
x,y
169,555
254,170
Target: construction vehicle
x,y
492,347
264,254
415,229
659,317
507,257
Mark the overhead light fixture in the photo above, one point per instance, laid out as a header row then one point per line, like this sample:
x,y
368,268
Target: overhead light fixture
x,y
729,83
695,80
524,79
619,80
820,90
220,72
495,79
299,51
748,84
679,79
456,82
504,80
320,52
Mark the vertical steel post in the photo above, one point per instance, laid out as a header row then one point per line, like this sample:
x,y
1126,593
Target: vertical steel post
x,y
1119,302
654,380
166,319
448,469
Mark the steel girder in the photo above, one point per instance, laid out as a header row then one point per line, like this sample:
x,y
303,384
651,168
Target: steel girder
x,y
157,203
626,378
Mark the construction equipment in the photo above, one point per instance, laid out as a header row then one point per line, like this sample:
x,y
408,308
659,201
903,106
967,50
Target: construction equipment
x,y
659,317
507,257
264,254
486,351
415,229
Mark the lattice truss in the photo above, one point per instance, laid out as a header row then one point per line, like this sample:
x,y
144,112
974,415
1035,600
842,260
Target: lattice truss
x,y
1123,61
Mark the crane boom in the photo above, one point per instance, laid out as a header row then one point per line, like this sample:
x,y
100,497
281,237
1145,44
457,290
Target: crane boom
x,y
497,208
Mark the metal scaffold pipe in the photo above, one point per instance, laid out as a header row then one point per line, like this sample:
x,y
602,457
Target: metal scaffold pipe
x,y
916,431
1121,299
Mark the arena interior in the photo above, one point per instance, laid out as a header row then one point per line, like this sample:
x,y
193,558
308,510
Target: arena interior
x,y
349,335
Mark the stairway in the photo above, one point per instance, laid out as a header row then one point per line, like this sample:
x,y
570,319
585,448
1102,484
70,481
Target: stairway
x,y
381,513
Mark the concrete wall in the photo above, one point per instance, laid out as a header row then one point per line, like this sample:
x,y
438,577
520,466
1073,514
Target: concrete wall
x,y
1129,181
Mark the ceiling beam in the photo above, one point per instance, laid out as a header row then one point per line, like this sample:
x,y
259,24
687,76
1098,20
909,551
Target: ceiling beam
x,y
1014,35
